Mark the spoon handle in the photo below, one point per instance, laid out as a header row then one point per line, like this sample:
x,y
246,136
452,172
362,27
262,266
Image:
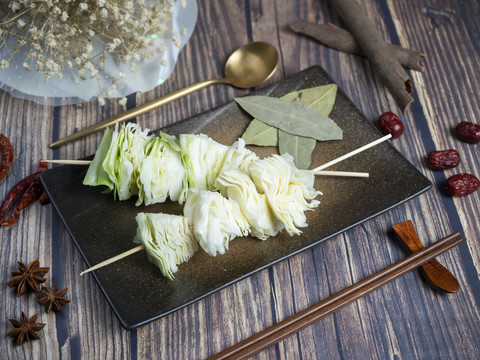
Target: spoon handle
x,y
435,273
137,111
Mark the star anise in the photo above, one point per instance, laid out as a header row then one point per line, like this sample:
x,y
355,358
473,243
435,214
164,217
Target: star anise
x,y
26,329
30,277
52,299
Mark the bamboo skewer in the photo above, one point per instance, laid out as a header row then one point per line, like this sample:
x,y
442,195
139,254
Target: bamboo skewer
x,y
342,173
114,259
319,173
68,162
354,152
317,170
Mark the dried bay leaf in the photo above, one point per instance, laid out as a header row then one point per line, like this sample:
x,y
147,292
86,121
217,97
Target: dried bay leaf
x,y
292,117
299,147
321,99
261,134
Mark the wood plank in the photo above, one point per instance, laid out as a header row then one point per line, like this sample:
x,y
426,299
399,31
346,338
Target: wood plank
x,y
406,319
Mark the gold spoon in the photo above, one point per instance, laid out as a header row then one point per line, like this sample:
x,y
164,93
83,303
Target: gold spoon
x,y
248,66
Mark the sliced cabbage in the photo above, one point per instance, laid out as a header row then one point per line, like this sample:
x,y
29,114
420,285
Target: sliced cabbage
x,y
204,160
168,240
96,175
238,157
161,174
127,151
238,186
216,220
288,189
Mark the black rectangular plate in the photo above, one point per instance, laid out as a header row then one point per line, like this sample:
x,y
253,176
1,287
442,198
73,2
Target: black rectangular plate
x,y
137,292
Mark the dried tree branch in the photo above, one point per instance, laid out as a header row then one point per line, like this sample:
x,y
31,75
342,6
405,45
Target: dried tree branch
x,y
376,50
342,40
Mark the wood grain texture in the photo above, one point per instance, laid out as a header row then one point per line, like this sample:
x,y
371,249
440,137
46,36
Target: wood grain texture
x,y
406,319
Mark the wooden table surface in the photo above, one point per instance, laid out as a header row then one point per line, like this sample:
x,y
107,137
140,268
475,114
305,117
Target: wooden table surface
x,y
406,319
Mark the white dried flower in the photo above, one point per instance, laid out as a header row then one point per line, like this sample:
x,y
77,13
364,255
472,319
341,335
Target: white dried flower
x,y
14,6
64,38
4,64
123,101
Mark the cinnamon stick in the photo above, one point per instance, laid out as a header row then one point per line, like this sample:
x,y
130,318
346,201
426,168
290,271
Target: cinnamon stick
x,y
342,40
375,49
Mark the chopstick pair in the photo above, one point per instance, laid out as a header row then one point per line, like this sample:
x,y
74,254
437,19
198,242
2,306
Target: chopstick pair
x,y
299,321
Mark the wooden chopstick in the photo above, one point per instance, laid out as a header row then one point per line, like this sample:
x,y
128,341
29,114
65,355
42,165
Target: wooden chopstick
x,y
297,322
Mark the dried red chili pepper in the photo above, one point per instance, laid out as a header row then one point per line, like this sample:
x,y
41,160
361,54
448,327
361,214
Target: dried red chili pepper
x,y
30,195
28,189
16,190
44,199
6,150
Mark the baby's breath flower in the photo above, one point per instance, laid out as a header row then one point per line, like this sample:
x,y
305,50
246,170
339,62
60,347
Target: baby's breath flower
x,y
62,41
4,64
123,101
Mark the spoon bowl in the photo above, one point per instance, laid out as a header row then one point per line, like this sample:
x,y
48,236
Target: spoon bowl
x,y
247,67
251,64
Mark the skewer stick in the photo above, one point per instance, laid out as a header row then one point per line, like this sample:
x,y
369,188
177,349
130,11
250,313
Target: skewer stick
x,y
69,162
342,173
115,258
320,173
354,152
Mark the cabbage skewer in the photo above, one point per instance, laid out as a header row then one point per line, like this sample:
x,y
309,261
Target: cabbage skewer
x,y
139,248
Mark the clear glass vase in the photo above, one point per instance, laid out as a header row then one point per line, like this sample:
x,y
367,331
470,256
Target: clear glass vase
x,y
148,73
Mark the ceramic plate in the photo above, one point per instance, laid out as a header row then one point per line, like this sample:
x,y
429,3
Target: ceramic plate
x,y
102,227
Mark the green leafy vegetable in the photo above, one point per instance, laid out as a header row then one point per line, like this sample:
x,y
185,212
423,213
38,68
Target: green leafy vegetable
x,y
96,175
168,240
216,220
126,152
287,188
294,118
237,186
204,159
161,174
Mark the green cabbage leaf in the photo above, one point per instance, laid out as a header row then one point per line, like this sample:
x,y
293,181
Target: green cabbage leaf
x,y
161,174
216,220
289,191
168,240
96,175
126,152
239,187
